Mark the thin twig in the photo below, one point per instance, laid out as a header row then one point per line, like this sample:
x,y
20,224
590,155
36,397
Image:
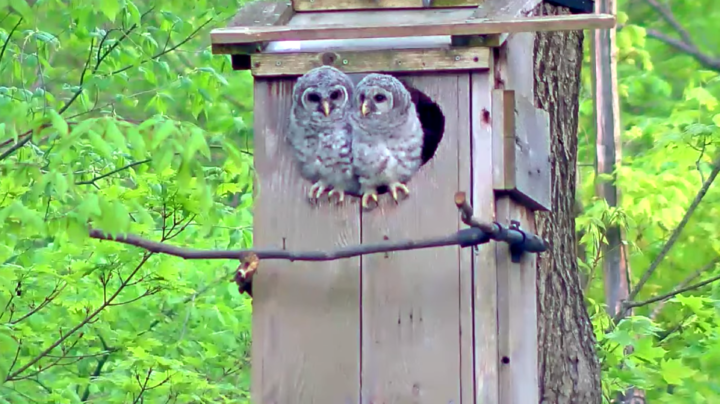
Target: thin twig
x,y
123,168
165,51
669,17
14,375
673,293
684,283
7,41
673,237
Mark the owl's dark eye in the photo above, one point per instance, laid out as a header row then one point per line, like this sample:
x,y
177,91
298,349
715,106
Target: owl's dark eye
x,y
335,95
312,97
362,98
379,98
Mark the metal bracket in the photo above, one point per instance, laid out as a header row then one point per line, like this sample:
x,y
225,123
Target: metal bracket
x,y
516,249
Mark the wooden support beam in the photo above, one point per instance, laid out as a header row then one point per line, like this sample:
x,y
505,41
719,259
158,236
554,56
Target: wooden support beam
x,y
521,148
402,60
320,5
246,35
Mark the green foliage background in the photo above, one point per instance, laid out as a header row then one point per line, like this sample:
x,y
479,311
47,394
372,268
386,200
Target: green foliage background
x,y
670,136
133,125
129,123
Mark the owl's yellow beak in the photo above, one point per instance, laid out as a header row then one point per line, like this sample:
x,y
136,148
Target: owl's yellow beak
x,y
364,108
326,107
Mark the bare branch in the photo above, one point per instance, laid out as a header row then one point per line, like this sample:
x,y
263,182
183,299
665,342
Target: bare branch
x,y
269,254
704,59
518,239
674,236
673,293
669,17
686,282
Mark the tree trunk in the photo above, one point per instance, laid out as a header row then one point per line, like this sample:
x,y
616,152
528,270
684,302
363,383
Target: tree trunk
x,y
568,368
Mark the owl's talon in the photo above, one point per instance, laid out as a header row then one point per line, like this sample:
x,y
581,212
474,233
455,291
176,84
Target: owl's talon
x,y
398,186
366,199
316,190
340,194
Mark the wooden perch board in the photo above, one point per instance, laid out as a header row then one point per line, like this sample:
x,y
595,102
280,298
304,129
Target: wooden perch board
x,y
372,29
288,64
317,5
521,149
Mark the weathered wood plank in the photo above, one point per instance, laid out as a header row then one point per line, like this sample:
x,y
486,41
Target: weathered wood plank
x,y
498,9
263,13
306,333
517,313
484,268
494,9
503,132
532,150
285,64
521,149
256,13
317,5
410,320
371,29
387,17
467,255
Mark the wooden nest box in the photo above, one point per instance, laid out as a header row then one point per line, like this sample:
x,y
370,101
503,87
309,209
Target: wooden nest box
x,y
443,325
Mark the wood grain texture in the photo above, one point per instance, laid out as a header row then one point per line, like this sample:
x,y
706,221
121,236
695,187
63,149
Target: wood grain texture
x,y
467,255
493,9
317,5
388,61
387,17
521,149
503,132
517,313
408,27
265,13
306,332
532,155
256,13
484,267
411,347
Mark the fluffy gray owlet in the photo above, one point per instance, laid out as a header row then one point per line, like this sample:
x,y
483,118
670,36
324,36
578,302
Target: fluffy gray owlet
x,y
319,132
387,136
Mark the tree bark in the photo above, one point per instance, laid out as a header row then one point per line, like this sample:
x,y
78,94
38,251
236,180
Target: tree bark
x,y
568,367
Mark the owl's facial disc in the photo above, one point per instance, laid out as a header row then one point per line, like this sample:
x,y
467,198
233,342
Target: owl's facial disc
x,y
377,101
314,102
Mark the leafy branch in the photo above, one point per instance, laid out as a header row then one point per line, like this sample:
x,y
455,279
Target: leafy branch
x,y
15,375
674,236
166,49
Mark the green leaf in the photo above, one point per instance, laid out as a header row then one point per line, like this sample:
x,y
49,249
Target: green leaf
x,y
674,372
111,8
23,8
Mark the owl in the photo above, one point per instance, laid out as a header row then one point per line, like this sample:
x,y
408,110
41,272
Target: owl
x,y
387,137
320,131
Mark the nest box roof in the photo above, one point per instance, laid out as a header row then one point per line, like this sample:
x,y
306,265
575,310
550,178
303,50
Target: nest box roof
x,y
262,22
